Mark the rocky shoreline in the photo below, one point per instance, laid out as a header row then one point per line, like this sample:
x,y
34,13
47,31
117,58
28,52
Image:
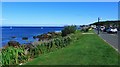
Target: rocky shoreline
x,y
41,38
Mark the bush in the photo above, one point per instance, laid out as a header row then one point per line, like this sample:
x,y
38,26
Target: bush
x,y
11,55
85,29
68,30
57,42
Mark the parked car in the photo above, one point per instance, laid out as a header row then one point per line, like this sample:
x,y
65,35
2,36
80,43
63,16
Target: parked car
x,y
102,28
112,30
105,30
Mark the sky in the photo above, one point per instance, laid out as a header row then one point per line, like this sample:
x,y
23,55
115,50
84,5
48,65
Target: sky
x,y
57,13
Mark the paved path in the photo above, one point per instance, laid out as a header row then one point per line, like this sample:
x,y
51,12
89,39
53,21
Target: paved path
x,y
112,39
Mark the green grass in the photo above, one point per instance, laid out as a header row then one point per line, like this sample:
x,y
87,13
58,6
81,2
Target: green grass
x,y
89,49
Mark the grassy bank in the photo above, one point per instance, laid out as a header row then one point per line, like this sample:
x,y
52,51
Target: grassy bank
x,y
86,49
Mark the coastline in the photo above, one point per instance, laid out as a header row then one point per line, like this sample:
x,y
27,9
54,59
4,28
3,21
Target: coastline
x,y
6,45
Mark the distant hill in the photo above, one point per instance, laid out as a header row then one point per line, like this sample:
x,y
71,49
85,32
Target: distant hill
x,y
115,23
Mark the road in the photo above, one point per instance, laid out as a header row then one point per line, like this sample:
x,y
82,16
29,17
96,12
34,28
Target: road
x,y
112,39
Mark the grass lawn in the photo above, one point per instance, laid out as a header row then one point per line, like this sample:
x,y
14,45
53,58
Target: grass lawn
x,y
88,49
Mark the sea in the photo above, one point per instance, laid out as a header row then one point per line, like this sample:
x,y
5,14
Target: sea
x,y
20,32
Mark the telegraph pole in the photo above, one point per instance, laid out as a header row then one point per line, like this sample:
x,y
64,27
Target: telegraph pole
x,y
98,25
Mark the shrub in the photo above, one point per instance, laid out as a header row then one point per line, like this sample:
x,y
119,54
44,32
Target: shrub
x,y
85,29
56,42
11,55
68,30
68,38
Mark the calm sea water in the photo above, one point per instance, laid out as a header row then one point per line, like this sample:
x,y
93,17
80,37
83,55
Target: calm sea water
x,y
19,32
